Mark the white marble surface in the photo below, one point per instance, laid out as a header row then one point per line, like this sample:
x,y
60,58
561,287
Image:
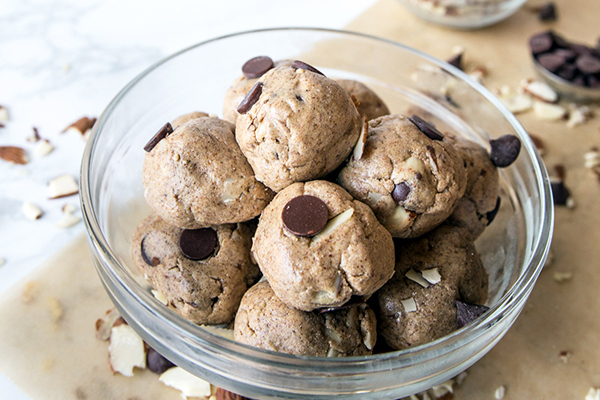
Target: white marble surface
x,y
64,59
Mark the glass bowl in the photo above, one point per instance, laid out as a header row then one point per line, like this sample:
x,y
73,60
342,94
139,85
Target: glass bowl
x,y
513,248
463,14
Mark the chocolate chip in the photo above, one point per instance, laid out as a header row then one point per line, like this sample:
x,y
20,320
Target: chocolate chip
x,y
257,66
492,214
505,150
354,301
154,261
156,362
593,82
427,128
165,131
560,193
456,61
400,192
467,313
579,80
541,43
568,55
588,65
198,244
551,61
305,215
567,72
251,98
547,12
297,64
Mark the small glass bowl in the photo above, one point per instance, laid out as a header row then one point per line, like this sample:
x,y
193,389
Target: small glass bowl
x,y
463,14
513,248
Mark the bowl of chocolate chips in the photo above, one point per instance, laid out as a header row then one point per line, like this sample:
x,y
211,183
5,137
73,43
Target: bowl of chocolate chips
x,y
572,69
310,213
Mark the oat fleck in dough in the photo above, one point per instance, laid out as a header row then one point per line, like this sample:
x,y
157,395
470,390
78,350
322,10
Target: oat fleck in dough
x,y
369,104
411,181
206,291
477,208
302,127
446,253
264,321
352,255
197,177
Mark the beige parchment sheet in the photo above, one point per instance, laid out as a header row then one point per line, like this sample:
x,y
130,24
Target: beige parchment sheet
x,y
47,342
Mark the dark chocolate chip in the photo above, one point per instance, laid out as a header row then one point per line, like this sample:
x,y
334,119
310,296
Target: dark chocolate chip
x,y
251,97
560,193
427,128
567,71
198,244
551,61
305,215
156,362
505,150
467,313
492,214
579,80
593,82
400,192
354,301
548,12
568,55
560,171
165,131
581,49
297,64
588,65
456,61
154,261
257,66
541,43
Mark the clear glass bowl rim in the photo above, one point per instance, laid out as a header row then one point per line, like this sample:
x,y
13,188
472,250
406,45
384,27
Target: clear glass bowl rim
x,y
379,362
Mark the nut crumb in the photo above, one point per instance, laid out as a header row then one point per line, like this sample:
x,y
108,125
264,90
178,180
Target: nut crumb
x,y
36,136
562,276
564,356
81,126
593,394
13,154
55,309
43,148
4,114
500,392
31,211
62,186
30,291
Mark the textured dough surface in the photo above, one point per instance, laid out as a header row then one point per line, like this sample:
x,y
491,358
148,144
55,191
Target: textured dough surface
x,y
301,128
369,104
198,177
264,321
355,258
206,291
482,190
451,252
396,152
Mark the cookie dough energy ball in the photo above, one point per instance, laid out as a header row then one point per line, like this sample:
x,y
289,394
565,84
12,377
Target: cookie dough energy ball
x,y
369,104
317,246
408,174
264,321
202,273
197,176
296,125
439,280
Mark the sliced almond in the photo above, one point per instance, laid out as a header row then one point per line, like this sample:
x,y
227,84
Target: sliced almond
x,y
223,332
62,186
4,117
593,394
400,219
592,159
333,223
69,209
232,190
431,275
562,276
416,276
442,389
13,154
359,148
540,91
517,103
409,305
42,148
160,297
67,221
36,136
105,324
31,211
81,126
549,112
478,74
188,384
578,115
126,350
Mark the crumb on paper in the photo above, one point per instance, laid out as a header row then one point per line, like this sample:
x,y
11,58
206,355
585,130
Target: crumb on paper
x,y
593,394
562,276
30,291
160,297
42,148
31,211
500,392
14,154
62,186
55,308
188,384
564,356
126,350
